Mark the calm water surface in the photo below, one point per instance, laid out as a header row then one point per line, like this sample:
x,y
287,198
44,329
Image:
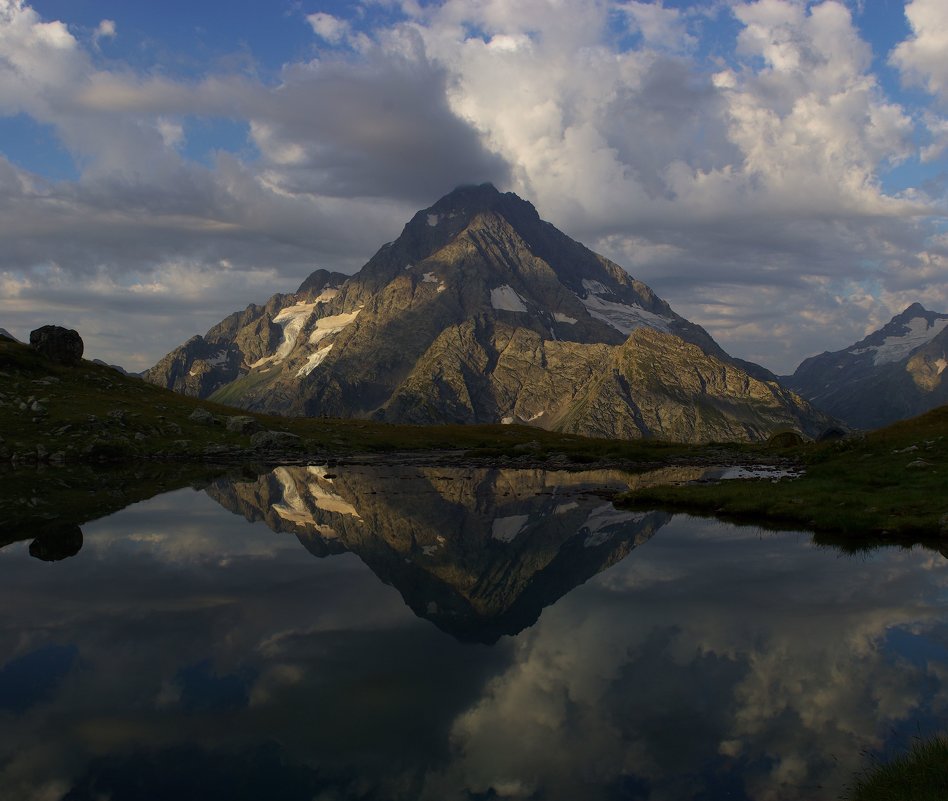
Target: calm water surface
x,y
409,633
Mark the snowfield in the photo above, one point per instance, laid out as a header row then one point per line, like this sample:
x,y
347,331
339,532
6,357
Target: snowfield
x,y
622,317
896,348
506,529
291,319
505,298
313,361
333,324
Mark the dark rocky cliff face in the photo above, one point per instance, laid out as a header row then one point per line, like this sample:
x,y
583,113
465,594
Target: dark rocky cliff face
x,y
482,312
894,373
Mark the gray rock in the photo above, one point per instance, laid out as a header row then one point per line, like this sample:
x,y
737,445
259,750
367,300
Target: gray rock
x,y
267,440
918,464
242,424
58,344
785,439
202,416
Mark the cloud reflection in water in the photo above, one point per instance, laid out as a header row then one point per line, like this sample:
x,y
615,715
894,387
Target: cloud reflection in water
x,y
709,660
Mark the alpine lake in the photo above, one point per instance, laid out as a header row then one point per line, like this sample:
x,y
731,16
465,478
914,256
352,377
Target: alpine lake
x,y
400,631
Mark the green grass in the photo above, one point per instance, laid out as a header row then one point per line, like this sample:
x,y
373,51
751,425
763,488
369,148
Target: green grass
x,y
235,389
862,486
919,775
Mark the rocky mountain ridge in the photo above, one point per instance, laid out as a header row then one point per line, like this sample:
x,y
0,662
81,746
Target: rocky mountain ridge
x,y
482,312
892,374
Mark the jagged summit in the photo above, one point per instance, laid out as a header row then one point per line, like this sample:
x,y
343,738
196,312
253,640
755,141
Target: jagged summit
x,y
480,311
893,373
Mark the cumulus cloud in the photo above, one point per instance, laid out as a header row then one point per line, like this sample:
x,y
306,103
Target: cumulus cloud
x,y
923,57
728,185
328,27
631,678
106,29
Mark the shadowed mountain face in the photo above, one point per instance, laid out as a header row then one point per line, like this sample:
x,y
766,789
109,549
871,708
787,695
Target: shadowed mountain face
x,y
481,312
894,373
478,552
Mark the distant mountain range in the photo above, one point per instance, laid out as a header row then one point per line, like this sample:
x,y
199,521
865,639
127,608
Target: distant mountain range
x,y
482,312
894,373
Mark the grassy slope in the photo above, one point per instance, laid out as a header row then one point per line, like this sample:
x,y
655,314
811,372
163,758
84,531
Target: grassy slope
x,y
868,486
919,775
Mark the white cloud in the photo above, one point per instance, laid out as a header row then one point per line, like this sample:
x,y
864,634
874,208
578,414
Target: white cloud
x,y
593,690
923,57
756,181
660,27
106,29
333,29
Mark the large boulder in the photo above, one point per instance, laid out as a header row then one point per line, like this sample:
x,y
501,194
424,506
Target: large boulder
x,y
57,344
242,424
275,440
57,543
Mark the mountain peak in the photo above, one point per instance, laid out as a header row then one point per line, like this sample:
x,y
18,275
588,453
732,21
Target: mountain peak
x,y
915,310
470,200
482,312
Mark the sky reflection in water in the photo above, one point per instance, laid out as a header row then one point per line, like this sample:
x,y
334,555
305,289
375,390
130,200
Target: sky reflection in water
x,y
187,650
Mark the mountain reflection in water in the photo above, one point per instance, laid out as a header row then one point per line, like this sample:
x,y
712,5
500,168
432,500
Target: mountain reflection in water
x,y
479,552
186,653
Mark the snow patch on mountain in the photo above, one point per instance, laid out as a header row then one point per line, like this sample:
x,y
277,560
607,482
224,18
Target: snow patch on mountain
x,y
897,347
596,287
313,361
326,295
291,319
434,219
218,360
505,298
429,278
623,317
333,324
506,529
563,318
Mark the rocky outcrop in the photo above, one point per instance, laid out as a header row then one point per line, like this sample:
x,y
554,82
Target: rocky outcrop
x,y
230,349
481,312
652,385
57,344
894,373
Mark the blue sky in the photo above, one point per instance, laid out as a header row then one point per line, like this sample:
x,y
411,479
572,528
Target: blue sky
x,y
775,169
